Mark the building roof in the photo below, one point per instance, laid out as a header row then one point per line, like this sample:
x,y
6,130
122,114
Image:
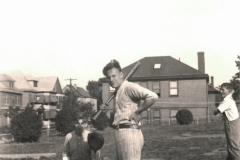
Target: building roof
x,y
4,87
78,91
29,77
170,68
4,77
20,80
212,89
46,83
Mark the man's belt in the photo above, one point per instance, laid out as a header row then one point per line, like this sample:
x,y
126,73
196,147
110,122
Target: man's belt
x,y
122,126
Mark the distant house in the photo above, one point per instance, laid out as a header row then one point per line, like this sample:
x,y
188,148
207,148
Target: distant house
x,y
9,96
41,92
177,85
82,94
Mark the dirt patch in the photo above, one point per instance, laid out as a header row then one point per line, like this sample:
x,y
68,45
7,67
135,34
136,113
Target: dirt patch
x,y
216,152
199,136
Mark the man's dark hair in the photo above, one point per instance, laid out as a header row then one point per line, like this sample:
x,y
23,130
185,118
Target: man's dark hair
x,y
112,64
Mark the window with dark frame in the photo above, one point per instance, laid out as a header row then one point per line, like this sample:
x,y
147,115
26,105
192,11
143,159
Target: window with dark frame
x,y
11,84
34,83
173,88
6,99
18,100
144,84
156,88
173,113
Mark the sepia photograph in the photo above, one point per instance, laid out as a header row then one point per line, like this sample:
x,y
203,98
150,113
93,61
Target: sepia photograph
x,y
119,80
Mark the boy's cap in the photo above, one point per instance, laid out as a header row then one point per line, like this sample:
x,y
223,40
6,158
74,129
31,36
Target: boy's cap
x,y
95,141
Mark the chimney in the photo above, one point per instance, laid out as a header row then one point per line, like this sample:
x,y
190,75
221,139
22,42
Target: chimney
x,y
212,81
201,62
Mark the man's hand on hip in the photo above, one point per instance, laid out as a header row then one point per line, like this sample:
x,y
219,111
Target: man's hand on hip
x,y
136,117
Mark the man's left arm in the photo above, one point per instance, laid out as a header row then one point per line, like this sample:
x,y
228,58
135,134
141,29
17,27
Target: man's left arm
x,y
148,97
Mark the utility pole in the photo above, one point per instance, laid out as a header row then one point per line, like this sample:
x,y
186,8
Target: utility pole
x,y
70,90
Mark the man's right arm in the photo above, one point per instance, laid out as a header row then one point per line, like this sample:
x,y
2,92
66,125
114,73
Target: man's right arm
x,y
110,115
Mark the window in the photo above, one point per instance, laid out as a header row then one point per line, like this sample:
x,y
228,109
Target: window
x,y
34,83
157,66
18,100
11,84
144,84
156,88
6,99
13,100
173,114
173,86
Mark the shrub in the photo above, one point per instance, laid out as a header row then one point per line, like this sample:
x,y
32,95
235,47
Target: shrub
x,y
4,130
66,119
184,116
26,127
101,122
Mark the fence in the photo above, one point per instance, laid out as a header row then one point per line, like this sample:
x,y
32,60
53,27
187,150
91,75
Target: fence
x,y
172,121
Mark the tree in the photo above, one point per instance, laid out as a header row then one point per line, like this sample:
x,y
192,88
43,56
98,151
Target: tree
x,y
66,119
12,111
86,109
26,126
69,97
95,91
235,81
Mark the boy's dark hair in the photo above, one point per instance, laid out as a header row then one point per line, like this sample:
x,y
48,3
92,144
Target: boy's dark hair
x,y
227,86
112,64
230,87
78,130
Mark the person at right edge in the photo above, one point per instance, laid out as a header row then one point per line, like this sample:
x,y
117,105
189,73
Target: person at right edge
x,y
231,120
130,101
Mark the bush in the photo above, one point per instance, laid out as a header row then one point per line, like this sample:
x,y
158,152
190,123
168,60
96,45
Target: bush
x,y
101,122
26,126
4,130
66,119
184,116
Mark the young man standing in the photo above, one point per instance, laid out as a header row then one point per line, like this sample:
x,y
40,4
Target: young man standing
x,y
131,101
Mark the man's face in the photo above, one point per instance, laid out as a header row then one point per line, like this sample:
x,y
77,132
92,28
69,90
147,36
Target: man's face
x,y
115,77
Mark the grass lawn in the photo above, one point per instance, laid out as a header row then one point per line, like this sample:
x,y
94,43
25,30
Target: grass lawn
x,y
158,143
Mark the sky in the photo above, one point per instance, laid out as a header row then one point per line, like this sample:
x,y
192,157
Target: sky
x,y
76,39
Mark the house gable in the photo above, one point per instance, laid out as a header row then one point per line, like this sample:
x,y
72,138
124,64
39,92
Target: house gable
x,y
49,84
77,91
57,88
20,80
